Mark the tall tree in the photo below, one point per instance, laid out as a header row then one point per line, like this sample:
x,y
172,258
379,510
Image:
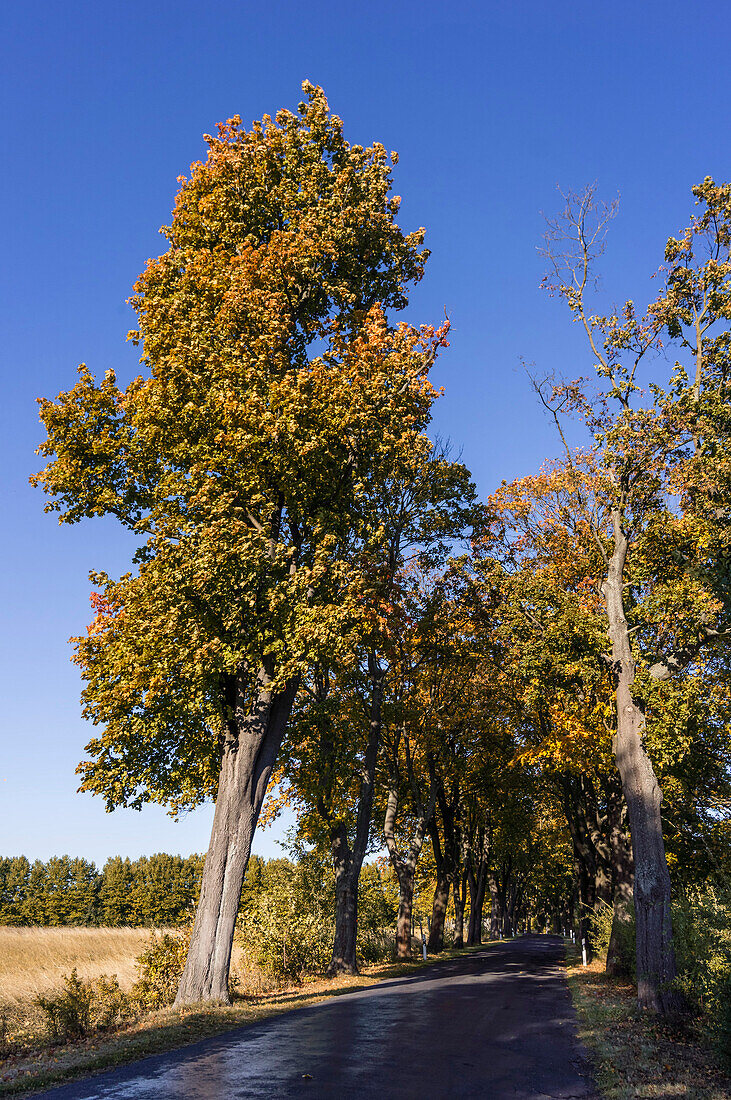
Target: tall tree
x,y
657,441
333,767
275,395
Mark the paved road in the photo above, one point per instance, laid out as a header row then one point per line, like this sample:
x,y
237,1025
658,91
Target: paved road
x,y
493,1025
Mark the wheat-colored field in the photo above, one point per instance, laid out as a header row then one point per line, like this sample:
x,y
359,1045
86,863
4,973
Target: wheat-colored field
x,y
34,960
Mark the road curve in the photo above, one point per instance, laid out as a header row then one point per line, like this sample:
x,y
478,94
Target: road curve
x,y
495,1024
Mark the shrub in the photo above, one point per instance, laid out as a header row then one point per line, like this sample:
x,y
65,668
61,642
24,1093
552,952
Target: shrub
x,y
84,1006
600,927
68,1013
377,945
285,928
702,938
284,944
601,922
702,927
160,967
110,1005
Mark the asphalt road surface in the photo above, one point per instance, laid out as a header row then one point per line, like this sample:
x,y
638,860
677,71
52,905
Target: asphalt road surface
x,y
494,1024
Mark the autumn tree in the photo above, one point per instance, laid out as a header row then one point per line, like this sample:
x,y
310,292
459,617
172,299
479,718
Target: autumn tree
x,y
408,788
659,515
333,759
535,577
275,395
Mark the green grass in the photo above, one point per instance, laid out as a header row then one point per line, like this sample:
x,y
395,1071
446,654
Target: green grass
x,y
636,1055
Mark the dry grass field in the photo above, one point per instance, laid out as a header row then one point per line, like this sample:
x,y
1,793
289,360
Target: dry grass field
x,y
35,960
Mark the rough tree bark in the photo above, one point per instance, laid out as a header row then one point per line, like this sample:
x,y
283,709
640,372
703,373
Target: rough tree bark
x,y
405,868
459,897
250,746
435,943
587,827
656,969
343,959
509,892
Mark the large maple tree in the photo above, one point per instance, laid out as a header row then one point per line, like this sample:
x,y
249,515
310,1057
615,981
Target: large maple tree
x,y
275,394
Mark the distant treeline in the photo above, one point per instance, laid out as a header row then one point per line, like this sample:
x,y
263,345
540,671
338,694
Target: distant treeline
x,y
152,890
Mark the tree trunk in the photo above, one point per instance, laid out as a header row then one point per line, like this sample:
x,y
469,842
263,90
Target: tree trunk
x,y
494,909
477,879
249,753
405,912
591,849
343,959
438,914
502,883
587,900
459,893
348,863
477,885
618,964
405,866
656,968
447,859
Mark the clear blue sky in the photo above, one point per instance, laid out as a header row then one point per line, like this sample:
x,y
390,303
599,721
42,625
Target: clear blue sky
x,y
490,105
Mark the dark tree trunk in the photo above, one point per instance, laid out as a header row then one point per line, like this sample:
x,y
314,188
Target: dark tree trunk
x,y
618,964
477,899
656,969
587,900
459,895
478,885
405,913
511,909
343,959
349,862
438,915
249,753
446,858
494,909
591,849
405,865
502,885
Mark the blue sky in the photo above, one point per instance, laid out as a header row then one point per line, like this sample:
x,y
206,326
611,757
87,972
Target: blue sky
x,y
490,105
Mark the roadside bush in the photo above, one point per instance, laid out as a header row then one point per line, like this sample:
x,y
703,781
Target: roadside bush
x,y
702,927
376,945
284,944
68,1013
600,927
601,919
160,967
84,1006
702,938
285,929
110,1005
